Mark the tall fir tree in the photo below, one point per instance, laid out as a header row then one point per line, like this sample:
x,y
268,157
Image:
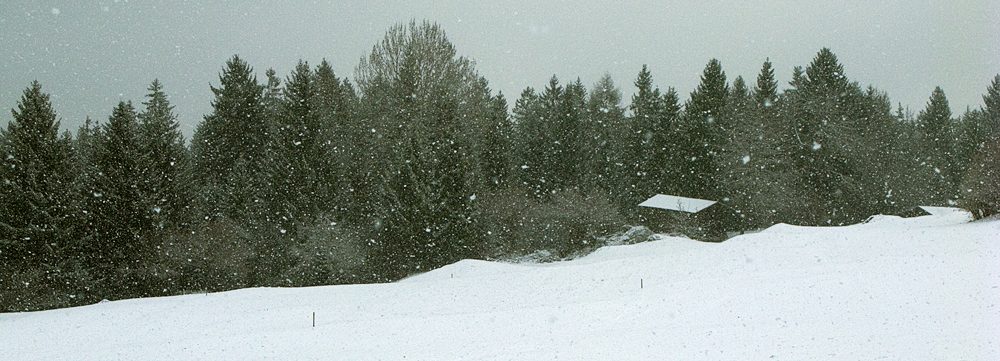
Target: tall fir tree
x,y
335,105
231,145
980,142
758,179
167,176
40,221
704,128
938,147
648,126
601,135
121,207
991,102
766,91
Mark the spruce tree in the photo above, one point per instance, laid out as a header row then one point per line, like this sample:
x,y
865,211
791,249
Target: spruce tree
x,y
938,143
120,204
758,176
766,91
39,217
647,128
530,140
230,146
496,150
991,102
539,118
980,143
340,140
167,176
602,135
568,121
704,128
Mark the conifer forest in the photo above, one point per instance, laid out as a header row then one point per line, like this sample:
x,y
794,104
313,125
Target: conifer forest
x,y
312,178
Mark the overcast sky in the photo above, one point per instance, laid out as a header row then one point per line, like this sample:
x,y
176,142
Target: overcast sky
x,y
90,54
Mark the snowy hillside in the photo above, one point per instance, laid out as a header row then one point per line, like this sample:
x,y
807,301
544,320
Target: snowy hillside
x,y
924,288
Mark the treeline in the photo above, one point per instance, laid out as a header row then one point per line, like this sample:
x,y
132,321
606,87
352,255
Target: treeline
x,y
312,179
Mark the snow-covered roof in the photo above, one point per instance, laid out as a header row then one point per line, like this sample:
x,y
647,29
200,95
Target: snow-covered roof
x,y
942,211
675,203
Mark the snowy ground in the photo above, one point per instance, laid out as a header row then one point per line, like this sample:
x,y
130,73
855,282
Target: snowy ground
x,y
923,288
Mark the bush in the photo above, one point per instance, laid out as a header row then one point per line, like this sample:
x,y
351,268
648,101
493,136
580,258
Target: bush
x,y
217,255
981,187
25,289
330,254
566,224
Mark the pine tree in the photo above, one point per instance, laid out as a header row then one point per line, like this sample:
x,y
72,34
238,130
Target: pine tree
x,y
992,102
602,135
531,140
980,142
938,143
120,204
766,91
648,128
167,176
39,218
342,139
704,127
232,144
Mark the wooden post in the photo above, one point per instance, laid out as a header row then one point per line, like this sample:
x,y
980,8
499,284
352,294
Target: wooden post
x,y
314,319
640,283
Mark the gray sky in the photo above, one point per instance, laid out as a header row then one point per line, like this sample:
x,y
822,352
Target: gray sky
x,y
90,54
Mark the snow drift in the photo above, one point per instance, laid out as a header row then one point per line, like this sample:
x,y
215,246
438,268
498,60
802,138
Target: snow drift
x,y
892,288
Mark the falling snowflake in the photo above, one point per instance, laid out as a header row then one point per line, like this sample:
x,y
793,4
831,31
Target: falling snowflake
x,y
816,146
746,159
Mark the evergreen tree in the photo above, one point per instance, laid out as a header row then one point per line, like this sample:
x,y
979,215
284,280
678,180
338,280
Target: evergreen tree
x,y
236,163
121,205
337,155
980,143
531,141
540,119
766,91
167,176
992,102
602,134
981,187
704,128
819,140
649,154
39,217
845,144
758,178
232,143
648,129
496,149
938,139
570,112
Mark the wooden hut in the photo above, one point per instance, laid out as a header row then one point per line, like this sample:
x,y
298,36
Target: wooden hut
x,y
714,218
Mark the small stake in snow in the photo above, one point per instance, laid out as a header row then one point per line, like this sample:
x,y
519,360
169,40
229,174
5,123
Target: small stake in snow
x,y
314,319
640,283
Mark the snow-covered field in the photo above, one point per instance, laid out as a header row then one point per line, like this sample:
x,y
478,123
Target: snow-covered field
x,y
923,288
